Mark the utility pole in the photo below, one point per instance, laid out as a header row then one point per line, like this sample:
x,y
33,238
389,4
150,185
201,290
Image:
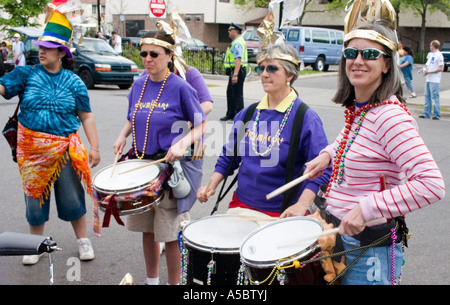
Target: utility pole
x,y
98,15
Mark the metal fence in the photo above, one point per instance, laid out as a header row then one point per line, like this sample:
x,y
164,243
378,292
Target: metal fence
x,y
209,61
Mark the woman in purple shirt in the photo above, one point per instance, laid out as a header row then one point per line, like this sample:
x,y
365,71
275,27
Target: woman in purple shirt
x,y
263,150
162,109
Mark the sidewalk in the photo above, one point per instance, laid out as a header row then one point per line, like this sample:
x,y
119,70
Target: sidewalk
x,y
253,92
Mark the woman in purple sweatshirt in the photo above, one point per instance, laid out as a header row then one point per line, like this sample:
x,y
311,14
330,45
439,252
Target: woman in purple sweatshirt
x,y
263,150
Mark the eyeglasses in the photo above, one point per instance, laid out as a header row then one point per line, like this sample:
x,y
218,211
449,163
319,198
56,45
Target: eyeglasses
x,y
151,53
369,54
271,69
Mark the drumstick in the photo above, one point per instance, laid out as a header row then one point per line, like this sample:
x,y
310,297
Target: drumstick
x,y
324,233
145,165
115,163
287,186
207,187
195,150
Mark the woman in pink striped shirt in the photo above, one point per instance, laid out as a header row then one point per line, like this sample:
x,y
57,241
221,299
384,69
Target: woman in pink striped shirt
x,y
381,166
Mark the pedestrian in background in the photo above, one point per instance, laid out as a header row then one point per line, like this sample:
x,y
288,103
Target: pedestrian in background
x,y
433,73
18,51
406,66
236,65
116,42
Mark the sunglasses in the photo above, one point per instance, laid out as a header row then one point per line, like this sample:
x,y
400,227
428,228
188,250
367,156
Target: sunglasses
x,y
271,69
369,54
151,53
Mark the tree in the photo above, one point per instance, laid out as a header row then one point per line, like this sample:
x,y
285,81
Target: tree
x,y
19,12
420,8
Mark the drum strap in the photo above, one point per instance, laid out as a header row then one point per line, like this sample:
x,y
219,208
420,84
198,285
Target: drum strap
x,y
247,118
290,194
293,147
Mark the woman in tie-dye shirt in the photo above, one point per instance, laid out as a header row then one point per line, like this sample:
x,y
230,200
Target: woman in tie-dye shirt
x,y
55,104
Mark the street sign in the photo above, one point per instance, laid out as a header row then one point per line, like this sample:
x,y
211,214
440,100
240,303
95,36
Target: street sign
x,y
158,9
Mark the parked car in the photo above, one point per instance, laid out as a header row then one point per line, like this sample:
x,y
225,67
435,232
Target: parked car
x,y
96,62
194,44
252,40
318,47
445,50
136,41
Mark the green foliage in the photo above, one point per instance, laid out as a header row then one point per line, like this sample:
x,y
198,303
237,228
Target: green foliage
x,y
20,12
132,54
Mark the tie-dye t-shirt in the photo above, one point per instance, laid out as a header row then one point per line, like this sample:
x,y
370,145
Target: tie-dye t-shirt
x,y
50,100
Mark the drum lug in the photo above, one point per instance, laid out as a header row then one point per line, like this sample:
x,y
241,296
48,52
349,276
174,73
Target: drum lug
x,y
138,203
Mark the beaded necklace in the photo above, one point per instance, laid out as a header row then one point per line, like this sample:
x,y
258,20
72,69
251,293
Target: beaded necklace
x,y
253,134
347,141
138,105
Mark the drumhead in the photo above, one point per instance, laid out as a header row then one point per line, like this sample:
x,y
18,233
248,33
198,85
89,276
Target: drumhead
x,y
128,181
275,242
219,233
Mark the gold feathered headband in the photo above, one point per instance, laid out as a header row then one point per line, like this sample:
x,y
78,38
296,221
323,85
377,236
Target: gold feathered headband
x,y
370,11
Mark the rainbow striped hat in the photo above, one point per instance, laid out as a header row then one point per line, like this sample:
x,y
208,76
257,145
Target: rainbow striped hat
x,y
57,33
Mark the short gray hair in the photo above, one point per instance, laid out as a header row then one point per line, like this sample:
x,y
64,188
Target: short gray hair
x,y
272,51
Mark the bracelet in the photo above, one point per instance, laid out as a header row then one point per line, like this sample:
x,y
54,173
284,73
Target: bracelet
x,y
95,148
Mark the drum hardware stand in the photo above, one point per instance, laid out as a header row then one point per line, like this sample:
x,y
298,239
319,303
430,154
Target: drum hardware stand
x,y
16,244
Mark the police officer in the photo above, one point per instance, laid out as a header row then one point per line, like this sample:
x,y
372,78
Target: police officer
x,y
236,65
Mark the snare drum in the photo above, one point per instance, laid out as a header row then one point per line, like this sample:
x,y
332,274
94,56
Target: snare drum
x,y
271,256
211,249
131,193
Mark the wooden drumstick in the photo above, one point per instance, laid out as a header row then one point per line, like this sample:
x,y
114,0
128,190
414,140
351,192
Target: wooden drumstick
x,y
115,163
324,233
195,150
145,165
207,187
287,186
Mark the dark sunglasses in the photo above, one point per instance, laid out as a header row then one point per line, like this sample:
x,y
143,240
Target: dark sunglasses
x,y
151,53
271,69
369,54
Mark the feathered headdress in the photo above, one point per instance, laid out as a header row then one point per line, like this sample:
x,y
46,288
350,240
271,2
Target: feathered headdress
x,y
370,11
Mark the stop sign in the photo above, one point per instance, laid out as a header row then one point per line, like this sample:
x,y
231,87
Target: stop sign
x,y
157,8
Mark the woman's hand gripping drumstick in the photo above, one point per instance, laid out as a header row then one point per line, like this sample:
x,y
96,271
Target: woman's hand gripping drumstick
x,y
205,192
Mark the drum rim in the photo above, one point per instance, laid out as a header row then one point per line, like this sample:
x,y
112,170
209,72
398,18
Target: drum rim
x,y
203,248
127,190
282,261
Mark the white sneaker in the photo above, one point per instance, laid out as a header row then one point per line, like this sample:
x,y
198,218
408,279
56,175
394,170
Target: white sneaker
x,y
162,247
85,250
31,259
413,95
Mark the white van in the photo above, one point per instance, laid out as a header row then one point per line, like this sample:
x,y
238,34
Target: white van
x,y
318,47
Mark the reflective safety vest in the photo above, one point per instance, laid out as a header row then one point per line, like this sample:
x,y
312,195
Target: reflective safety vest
x,y
230,61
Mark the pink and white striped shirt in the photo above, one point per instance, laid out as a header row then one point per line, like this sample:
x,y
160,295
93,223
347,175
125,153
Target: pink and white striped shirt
x,y
388,143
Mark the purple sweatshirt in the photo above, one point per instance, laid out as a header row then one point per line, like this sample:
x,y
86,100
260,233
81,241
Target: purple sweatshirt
x,y
258,176
177,105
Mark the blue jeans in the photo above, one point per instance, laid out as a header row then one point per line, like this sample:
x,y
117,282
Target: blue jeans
x,y
374,267
69,197
408,82
432,99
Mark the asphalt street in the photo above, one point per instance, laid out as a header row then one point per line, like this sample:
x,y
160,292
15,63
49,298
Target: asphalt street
x,y
119,251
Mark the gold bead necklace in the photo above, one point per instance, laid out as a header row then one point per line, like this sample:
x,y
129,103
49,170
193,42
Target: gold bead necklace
x,y
138,105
